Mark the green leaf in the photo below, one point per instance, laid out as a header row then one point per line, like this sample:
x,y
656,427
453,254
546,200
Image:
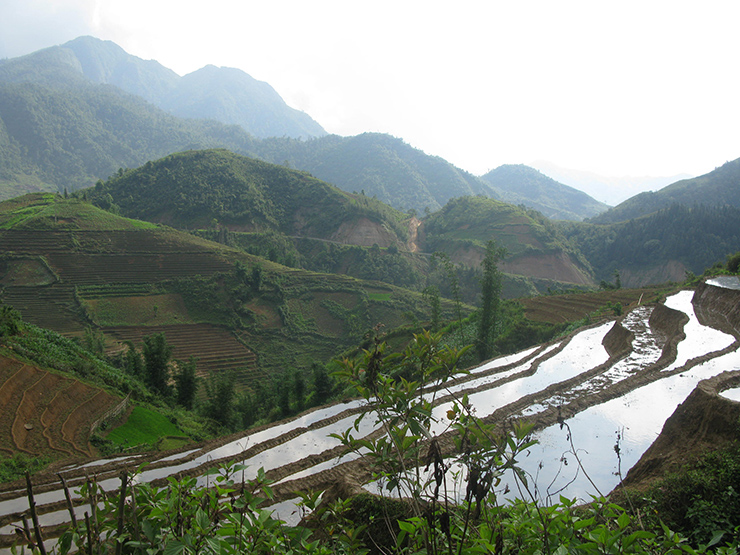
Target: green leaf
x,y
173,547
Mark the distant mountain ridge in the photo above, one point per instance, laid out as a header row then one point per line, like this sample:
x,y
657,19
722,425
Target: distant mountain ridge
x,y
606,189
226,94
520,184
720,187
75,113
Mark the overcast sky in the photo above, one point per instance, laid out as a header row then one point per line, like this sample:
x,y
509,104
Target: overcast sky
x,y
619,88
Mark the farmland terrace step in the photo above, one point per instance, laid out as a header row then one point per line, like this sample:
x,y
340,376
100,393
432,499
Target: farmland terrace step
x,y
86,269
214,348
131,241
27,429
53,306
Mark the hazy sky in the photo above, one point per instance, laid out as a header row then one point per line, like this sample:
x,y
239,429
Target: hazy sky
x,y
619,88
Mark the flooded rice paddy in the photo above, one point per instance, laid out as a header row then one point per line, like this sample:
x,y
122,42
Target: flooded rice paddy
x,y
527,385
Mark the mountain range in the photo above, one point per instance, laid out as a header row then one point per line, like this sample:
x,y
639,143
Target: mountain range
x,y
81,88
88,112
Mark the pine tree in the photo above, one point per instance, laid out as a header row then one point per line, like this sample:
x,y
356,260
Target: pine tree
x,y
491,299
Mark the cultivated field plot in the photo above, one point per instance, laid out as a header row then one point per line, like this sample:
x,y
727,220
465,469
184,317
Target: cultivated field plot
x,y
215,349
569,308
54,307
627,375
43,413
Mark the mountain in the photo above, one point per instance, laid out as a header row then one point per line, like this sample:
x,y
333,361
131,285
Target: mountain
x,y
720,187
520,184
195,189
53,139
659,247
224,94
382,166
610,190
535,247
66,264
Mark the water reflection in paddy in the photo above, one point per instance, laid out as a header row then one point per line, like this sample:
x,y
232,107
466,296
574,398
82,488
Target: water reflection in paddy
x,y
639,416
699,339
732,394
585,351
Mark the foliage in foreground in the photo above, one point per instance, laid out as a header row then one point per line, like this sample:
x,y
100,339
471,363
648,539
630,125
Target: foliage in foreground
x,y
227,514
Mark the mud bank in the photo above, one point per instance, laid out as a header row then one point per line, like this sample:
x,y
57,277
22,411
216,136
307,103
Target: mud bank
x,y
718,307
703,422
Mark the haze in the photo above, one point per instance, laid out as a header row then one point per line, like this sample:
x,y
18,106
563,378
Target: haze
x,y
627,88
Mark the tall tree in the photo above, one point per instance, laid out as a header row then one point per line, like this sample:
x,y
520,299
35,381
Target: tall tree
x,y
322,385
186,383
491,299
157,354
220,398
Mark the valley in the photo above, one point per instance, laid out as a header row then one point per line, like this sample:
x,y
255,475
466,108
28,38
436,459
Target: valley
x,y
194,275
624,377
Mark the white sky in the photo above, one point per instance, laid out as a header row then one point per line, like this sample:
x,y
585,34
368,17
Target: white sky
x,y
619,88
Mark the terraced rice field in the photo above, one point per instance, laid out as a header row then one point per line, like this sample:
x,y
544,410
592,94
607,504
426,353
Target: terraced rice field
x,y
627,376
54,307
569,308
42,413
215,349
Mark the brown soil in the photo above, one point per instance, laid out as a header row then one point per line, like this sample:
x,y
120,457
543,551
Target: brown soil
x,y
558,267
363,232
705,421
44,413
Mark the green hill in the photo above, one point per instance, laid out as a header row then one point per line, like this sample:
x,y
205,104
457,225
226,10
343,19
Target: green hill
x,y
720,187
224,94
52,138
661,246
536,249
380,165
198,189
520,184
66,265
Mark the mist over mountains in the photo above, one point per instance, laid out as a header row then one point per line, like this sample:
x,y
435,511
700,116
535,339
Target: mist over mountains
x,y
79,113
609,190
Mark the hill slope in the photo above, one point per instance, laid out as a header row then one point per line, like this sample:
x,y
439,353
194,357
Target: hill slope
x,y
535,247
227,95
519,184
67,264
380,165
193,189
720,187
52,138
659,247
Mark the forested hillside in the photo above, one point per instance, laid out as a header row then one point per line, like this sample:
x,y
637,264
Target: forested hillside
x,y
520,184
224,94
720,187
659,247
380,165
68,138
205,189
535,247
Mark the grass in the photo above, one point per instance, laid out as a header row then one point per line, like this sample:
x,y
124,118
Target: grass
x,y
148,310
143,426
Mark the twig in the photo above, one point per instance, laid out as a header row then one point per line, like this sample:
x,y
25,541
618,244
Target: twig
x,y
34,516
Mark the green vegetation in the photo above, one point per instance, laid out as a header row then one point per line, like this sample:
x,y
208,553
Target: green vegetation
x,y
377,166
199,189
15,467
229,516
700,499
716,189
695,236
520,184
488,321
72,136
142,427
